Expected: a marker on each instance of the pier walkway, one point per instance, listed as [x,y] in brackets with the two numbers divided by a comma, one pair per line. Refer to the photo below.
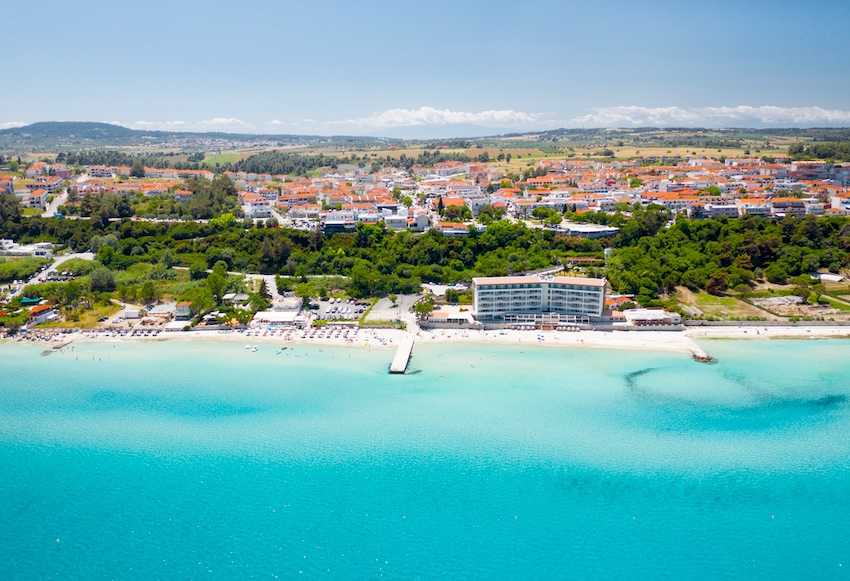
[402,355]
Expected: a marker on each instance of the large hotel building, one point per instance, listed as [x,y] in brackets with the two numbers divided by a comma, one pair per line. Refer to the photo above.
[537,300]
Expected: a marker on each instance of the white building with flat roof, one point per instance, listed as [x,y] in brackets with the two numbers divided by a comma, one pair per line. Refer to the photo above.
[38,249]
[538,299]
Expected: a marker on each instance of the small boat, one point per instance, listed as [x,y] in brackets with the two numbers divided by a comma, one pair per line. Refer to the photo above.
[254,348]
[247,346]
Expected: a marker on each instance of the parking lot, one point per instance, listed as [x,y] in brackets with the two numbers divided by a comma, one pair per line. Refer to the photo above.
[386,310]
[340,309]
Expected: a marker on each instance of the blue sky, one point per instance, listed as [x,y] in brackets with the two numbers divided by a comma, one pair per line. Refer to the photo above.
[393,67]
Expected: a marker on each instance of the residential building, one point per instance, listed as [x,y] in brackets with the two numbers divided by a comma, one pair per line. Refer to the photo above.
[183,311]
[101,171]
[454,229]
[718,210]
[788,206]
[48,183]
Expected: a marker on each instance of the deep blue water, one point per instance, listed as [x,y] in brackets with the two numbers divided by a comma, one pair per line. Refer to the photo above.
[183,461]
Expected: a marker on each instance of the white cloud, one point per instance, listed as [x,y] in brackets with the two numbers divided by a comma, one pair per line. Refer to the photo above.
[223,122]
[154,125]
[276,122]
[10,124]
[772,114]
[635,116]
[431,116]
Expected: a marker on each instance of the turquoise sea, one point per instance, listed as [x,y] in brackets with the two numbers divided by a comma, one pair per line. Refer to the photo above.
[181,460]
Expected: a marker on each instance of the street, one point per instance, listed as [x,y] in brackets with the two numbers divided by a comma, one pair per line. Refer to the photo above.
[41,276]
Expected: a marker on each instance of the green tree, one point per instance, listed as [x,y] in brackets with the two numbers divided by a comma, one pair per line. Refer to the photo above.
[71,292]
[198,270]
[101,280]
[167,258]
[148,291]
[716,284]
[201,298]
[776,273]
[264,290]
[242,316]
[305,290]
[257,302]
[424,307]
[217,284]
[283,284]
[224,221]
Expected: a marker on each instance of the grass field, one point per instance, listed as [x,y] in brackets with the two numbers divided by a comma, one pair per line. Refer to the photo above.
[88,320]
[729,308]
[523,157]
[214,158]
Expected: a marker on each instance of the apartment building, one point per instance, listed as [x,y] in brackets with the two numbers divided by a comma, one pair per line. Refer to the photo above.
[538,299]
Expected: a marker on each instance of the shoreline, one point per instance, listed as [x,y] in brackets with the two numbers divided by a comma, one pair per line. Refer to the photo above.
[678,341]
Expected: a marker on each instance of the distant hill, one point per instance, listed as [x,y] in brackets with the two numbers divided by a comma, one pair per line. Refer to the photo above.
[68,130]
[59,136]
[72,135]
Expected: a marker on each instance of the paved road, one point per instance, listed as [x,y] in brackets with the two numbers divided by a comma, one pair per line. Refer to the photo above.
[39,277]
[53,206]
[270,284]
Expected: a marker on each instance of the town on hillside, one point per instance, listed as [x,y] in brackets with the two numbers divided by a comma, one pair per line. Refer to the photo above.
[584,202]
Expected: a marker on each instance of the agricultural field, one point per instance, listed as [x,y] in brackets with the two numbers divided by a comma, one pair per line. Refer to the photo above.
[214,158]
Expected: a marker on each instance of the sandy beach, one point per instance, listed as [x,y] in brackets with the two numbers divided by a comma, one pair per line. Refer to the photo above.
[670,341]
[777,332]
[363,338]
[684,342]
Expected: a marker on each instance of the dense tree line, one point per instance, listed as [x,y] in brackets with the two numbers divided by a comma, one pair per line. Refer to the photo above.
[836,150]
[277,162]
[725,253]
[115,158]
[209,199]
[651,255]
[378,261]
[282,162]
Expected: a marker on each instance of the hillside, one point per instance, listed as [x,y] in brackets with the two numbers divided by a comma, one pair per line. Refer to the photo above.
[74,135]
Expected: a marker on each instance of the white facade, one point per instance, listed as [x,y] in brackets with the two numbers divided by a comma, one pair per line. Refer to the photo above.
[496,297]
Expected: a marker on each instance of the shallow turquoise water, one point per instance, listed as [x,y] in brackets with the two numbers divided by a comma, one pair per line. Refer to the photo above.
[182,461]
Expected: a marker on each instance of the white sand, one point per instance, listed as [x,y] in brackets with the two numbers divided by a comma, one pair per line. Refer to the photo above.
[364,338]
[671,341]
[667,341]
[756,332]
